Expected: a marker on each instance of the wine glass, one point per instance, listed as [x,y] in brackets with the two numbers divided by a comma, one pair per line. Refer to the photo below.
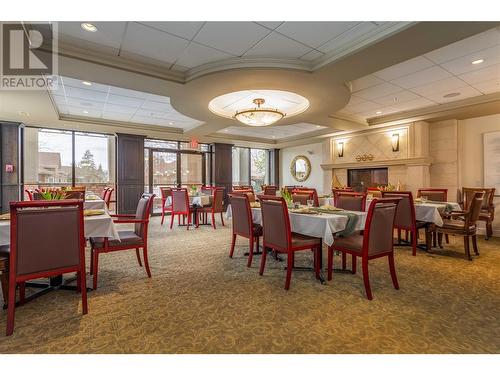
[423,199]
[310,203]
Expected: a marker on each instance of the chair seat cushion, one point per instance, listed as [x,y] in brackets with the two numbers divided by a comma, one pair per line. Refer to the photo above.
[353,243]
[485,216]
[301,240]
[127,238]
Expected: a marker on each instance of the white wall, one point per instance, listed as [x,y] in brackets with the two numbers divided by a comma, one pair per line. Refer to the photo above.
[316,158]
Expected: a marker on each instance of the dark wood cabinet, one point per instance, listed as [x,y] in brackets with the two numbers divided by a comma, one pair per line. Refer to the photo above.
[223,167]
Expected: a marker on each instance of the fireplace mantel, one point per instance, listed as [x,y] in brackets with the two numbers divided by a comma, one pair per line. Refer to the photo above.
[424,161]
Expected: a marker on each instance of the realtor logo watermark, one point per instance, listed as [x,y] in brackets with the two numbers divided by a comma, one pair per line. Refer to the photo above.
[28,56]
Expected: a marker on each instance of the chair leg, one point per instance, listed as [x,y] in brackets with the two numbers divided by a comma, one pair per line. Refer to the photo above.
[489,230]
[138,256]
[184,220]
[393,271]
[447,238]
[413,242]
[440,240]
[474,244]
[222,219]
[258,244]
[95,268]
[78,282]
[399,236]
[289,269]
[330,263]
[354,264]
[366,278]
[83,286]
[91,261]
[162,216]
[22,292]
[434,239]
[172,220]
[213,220]
[146,261]
[4,280]
[317,262]
[263,261]
[11,308]
[233,241]
[250,253]
[467,249]
[343,261]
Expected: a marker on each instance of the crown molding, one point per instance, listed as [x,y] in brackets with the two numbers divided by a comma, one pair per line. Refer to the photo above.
[423,161]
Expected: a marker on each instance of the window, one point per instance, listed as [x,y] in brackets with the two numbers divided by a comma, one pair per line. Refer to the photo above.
[241,166]
[55,158]
[250,167]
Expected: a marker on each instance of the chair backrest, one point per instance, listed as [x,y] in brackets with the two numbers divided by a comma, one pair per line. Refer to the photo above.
[241,214]
[311,191]
[350,201]
[302,198]
[375,192]
[46,236]
[165,192]
[143,212]
[275,222]
[30,194]
[344,190]
[180,200]
[380,221]
[104,193]
[218,199]
[469,193]
[474,209]
[74,194]
[207,189]
[405,214]
[242,187]
[107,197]
[437,195]
[270,190]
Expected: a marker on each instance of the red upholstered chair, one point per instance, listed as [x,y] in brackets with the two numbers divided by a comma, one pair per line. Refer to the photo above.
[166,192]
[270,190]
[181,206]
[205,189]
[30,194]
[4,271]
[217,206]
[242,187]
[107,196]
[104,193]
[243,224]
[46,240]
[487,213]
[313,194]
[436,195]
[74,194]
[347,189]
[128,239]
[277,235]
[376,192]
[405,218]
[350,201]
[375,242]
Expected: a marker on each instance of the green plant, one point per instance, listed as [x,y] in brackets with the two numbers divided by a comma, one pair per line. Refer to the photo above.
[52,194]
[287,196]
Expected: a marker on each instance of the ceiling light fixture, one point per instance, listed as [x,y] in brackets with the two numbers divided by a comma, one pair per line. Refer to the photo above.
[86,83]
[259,116]
[89,27]
[478,61]
[378,112]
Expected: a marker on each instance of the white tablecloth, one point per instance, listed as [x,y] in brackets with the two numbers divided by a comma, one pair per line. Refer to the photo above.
[320,226]
[94,204]
[429,212]
[94,226]
[197,200]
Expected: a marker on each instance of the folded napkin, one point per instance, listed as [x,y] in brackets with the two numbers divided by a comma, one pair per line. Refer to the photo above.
[92,212]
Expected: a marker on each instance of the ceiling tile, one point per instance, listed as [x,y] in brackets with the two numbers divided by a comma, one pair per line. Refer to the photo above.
[396,98]
[449,83]
[120,109]
[196,55]
[72,92]
[71,82]
[361,107]
[157,106]
[377,91]
[422,77]
[404,68]
[184,29]
[311,56]
[365,82]
[116,116]
[124,100]
[221,35]
[413,104]
[488,87]
[481,75]
[464,64]
[108,34]
[85,104]
[349,39]
[465,92]
[76,111]
[466,46]
[113,90]
[276,45]
[271,24]
[314,34]
[143,40]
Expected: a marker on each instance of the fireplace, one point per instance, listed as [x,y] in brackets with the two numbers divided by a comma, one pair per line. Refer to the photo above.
[361,179]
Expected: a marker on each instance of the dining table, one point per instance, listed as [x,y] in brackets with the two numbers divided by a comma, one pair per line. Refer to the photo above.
[199,200]
[94,202]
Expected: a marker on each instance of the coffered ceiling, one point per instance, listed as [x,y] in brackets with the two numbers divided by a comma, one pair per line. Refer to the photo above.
[461,70]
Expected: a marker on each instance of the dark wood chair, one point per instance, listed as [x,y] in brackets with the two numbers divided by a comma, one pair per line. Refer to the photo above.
[243,187]
[166,192]
[487,213]
[74,194]
[350,201]
[270,190]
[217,206]
[243,224]
[4,271]
[277,235]
[347,189]
[46,240]
[128,239]
[405,219]
[375,242]
[432,194]
[181,207]
[466,226]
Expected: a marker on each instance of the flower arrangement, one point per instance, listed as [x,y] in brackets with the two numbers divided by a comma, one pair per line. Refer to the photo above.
[52,194]
[388,187]
[287,196]
[194,189]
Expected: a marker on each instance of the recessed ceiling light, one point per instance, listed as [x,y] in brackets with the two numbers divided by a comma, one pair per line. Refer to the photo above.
[170,123]
[89,27]
[85,112]
[451,95]
[318,126]
[23,113]
[274,136]
[87,83]
[378,112]
[478,61]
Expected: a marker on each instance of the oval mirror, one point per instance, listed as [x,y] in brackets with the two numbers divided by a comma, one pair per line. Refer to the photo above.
[300,168]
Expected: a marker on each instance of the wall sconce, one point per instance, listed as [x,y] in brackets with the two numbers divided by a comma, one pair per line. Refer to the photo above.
[340,146]
[395,142]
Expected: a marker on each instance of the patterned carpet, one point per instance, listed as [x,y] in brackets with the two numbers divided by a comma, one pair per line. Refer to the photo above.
[201,301]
